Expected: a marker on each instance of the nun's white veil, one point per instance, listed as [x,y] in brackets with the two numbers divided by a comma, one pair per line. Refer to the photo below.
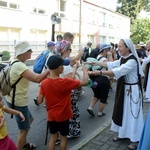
[130,45]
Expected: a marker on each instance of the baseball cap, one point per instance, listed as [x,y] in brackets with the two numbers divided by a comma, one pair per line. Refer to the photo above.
[51,43]
[55,61]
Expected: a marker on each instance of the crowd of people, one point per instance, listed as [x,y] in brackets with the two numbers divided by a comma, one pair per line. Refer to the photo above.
[102,65]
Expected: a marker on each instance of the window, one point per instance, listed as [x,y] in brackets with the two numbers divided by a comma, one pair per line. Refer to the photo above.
[37,35]
[102,39]
[61,8]
[39,6]
[102,19]
[111,21]
[41,11]
[14,34]
[91,16]
[13,4]
[3,3]
[75,14]
[3,34]
[91,38]
[111,39]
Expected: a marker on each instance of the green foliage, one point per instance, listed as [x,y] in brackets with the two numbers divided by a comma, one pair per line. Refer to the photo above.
[6,55]
[140,30]
[131,8]
[147,7]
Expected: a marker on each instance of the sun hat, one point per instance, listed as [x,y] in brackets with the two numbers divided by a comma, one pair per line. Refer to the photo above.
[104,46]
[51,43]
[22,47]
[55,61]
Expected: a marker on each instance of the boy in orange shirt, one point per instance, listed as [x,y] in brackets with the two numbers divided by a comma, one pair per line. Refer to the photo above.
[57,94]
[5,142]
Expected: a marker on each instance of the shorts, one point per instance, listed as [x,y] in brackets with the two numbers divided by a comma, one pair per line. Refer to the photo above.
[102,90]
[61,127]
[6,144]
[25,125]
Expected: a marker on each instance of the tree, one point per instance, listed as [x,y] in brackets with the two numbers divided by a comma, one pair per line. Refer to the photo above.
[131,8]
[147,8]
[140,30]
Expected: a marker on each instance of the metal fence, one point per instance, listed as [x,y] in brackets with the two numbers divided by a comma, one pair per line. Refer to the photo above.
[38,47]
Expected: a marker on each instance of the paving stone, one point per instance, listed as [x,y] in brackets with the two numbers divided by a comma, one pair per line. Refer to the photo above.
[105,147]
[104,140]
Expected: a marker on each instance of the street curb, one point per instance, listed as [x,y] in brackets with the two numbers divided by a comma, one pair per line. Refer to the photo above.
[91,136]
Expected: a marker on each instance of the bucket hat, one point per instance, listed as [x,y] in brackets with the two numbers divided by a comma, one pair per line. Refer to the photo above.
[22,47]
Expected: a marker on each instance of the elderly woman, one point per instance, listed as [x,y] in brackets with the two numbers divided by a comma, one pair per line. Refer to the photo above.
[127,117]
[23,51]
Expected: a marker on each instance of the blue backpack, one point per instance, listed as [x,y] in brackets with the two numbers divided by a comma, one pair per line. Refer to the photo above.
[40,62]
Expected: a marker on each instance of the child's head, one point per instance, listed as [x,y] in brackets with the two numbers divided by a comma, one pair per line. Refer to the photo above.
[1,100]
[51,45]
[56,61]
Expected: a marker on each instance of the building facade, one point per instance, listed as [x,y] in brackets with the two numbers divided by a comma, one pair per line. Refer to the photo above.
[31,20]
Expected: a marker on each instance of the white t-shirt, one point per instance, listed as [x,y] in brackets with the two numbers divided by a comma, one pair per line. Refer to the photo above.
[67,69]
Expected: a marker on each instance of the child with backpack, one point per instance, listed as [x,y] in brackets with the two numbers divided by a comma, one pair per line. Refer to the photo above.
[57,94]
[5,142]
[40,61]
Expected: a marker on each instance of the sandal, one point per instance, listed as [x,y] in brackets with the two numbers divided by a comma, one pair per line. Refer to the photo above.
[132,146]
[115,139]
[29,146]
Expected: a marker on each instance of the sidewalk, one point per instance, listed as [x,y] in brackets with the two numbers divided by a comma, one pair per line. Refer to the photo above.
[102,139]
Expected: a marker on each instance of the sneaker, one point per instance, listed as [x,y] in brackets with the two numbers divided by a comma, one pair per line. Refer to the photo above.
[90,112]
[35,101]
[71,136]
[146,100]
[57,141]
[103,114]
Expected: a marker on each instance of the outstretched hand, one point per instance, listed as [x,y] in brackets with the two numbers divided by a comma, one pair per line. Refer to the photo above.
[95,63]
[84,68]
[81,51]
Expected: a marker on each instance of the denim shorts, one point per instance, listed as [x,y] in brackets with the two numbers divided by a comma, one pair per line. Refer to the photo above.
[25,125]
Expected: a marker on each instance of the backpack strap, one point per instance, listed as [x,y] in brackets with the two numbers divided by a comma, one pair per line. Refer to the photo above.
[14,89]
[99,60]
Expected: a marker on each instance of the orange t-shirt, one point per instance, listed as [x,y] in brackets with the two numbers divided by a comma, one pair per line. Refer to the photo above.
[57,93]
